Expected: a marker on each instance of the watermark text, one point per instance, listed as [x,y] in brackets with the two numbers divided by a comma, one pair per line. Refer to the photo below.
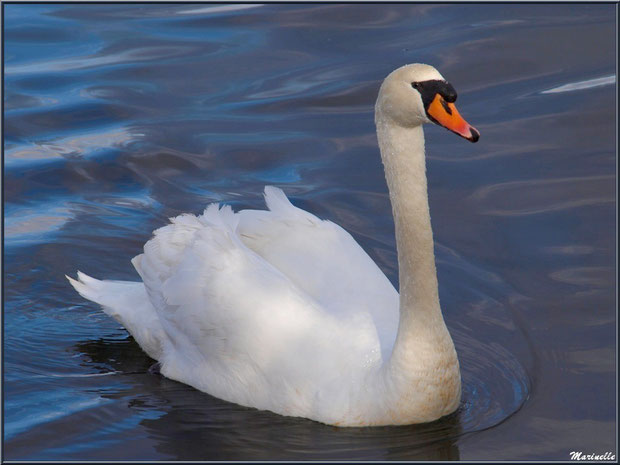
[581,456]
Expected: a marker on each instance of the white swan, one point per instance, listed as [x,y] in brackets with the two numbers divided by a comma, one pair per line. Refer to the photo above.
[282,311]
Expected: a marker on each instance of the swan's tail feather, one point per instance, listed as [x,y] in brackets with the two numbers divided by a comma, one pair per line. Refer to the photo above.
[114,296]
[128,303]
[99,292]
[87,287]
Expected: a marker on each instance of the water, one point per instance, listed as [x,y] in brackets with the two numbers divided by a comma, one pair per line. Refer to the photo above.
[120,116]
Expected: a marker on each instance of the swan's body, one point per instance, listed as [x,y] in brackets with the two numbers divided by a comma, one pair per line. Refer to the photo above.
[282,311]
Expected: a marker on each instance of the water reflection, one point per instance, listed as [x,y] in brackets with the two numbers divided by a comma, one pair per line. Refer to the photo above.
[216,9]
[27,224]
[524,197]
[580,85]
[74,146]
[196,426]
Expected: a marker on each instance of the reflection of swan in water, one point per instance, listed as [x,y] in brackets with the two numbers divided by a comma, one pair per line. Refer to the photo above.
[281,311]
[176,422]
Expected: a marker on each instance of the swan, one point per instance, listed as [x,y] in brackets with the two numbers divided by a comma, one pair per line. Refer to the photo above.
[279,310]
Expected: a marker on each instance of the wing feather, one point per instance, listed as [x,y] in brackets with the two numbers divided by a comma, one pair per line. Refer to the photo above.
[324,260]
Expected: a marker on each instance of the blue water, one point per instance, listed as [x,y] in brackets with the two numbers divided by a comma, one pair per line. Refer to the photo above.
[119,116]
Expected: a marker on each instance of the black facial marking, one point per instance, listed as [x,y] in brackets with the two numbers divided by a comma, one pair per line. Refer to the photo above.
[428,90]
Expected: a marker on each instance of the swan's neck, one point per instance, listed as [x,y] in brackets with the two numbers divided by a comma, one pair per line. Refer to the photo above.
[402,151]
[423,346]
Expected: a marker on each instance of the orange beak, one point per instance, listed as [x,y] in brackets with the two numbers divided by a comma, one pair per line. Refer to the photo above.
[445,114]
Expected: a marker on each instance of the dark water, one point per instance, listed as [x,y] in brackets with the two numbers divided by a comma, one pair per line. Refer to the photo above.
[120,116]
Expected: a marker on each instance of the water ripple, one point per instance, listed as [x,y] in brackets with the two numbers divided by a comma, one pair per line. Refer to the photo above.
[74,146]
[131,56]
[536,196]
[581,85]
[207,10]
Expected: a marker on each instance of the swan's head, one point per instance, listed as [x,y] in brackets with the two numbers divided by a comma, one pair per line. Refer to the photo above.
[416,94]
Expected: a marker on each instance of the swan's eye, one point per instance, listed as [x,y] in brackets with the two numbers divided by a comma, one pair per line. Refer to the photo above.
[415,85]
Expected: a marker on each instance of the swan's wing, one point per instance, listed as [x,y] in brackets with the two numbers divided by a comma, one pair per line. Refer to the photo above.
[324,260]
[238,327]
